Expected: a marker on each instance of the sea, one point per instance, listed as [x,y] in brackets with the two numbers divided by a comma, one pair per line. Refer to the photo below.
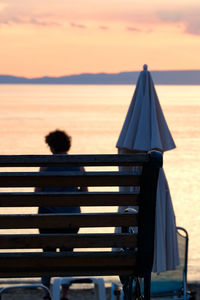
[93,115]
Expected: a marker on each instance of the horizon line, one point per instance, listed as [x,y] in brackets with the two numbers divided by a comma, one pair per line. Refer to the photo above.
[91,73]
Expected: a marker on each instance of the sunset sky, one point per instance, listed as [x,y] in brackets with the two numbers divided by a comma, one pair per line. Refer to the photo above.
[63,37]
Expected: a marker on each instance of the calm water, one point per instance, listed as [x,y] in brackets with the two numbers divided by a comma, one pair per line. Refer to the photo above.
[94,115]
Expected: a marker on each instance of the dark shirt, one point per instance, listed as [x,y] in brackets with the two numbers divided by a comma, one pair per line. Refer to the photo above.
[60,209]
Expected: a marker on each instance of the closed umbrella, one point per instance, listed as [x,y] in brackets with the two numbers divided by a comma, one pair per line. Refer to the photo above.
[144,129]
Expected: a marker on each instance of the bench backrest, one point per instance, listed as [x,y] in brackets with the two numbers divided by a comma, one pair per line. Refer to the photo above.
[26,259]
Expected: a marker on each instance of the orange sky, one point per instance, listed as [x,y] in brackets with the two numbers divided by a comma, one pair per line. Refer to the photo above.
[62,37]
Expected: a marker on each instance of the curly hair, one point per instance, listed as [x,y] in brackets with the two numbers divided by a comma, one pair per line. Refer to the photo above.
[59,141]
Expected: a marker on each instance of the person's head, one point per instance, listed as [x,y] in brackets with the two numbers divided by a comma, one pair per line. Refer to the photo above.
[58,141]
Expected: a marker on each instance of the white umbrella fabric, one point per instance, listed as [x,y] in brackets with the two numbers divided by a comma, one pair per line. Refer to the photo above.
[144,129]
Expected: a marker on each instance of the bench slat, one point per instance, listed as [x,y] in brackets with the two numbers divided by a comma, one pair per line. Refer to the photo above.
[33,241]
[67,259]
[67,220]
[41,179]
[68,199]
[73,160]
[63,272]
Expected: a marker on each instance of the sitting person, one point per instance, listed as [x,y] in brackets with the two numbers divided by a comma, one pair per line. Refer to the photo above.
[59,143]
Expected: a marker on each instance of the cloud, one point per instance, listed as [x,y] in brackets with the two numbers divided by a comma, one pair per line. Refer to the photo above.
[80,11]
[129,28]
[43,13]
[131,15]
[193,27]
[169,16]
[14,13]
[80,26]
[189,17]
[37,21]
[62,12]
[103,27]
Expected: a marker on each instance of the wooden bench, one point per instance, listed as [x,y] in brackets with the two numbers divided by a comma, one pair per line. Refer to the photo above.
[136,255]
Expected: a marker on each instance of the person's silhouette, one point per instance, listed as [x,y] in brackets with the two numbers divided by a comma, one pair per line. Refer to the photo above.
[59,142]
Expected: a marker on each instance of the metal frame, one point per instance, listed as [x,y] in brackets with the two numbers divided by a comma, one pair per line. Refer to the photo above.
[120,292]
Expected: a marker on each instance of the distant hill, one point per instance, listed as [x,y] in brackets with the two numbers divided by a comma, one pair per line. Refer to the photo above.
[159,77]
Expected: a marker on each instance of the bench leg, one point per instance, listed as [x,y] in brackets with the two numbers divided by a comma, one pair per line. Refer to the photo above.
[147,285]
[127,288]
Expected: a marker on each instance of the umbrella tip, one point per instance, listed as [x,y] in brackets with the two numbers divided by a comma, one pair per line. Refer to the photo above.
[145,67]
